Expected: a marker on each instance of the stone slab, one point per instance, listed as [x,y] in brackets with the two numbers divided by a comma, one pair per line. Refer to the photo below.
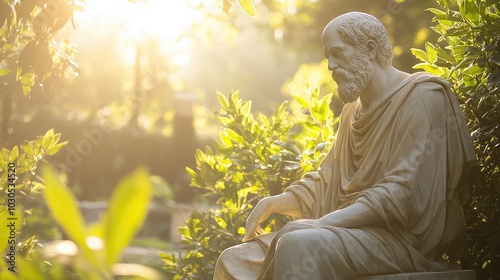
[445,275]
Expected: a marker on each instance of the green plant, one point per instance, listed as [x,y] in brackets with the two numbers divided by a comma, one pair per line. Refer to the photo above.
[27,159]
[28,53]
[467,54]
[94,249]
[256,156]
[20,183]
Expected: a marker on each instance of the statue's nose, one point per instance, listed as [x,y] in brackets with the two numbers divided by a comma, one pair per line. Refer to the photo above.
[332,64]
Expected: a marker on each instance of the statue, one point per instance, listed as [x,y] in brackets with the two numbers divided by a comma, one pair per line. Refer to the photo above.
[388,197]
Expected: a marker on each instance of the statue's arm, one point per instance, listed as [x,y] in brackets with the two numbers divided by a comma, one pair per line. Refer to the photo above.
[284,203]
[353,216]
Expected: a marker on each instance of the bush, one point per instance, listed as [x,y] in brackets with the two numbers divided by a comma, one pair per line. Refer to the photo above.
[21,185]
[94,249]
[468,55]
[256,156]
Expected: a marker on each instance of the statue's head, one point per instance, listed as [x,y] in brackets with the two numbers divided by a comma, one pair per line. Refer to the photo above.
[353,42]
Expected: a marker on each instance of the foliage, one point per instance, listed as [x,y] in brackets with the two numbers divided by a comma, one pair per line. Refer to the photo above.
[314,74]
[19,167]
[27,159]
[94,248]
[299,23]
[256,156]
[28,55]
[467,54]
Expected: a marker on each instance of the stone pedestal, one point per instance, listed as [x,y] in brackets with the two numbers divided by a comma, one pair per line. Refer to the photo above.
[445,275]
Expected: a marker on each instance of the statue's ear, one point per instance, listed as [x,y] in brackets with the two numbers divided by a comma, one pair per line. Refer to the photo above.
[371,49]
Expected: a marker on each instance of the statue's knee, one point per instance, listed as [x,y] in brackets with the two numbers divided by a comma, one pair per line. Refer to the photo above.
[299,240]
[227,254]
[221,271]
[311,242]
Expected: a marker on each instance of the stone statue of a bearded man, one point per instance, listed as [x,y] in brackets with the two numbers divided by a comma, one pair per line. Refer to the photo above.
[388,197]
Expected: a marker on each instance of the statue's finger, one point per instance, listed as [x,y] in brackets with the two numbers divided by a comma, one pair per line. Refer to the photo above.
[248,236]
[250,231]
[260,230]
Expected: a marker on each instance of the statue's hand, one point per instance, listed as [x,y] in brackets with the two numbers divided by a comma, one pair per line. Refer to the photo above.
[260,213]
[285,204]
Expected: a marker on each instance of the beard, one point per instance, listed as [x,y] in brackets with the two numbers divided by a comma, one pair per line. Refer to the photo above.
[353,81]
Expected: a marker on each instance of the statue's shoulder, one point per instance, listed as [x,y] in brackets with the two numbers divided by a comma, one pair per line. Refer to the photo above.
[424,94]
[425,82]
[425,86]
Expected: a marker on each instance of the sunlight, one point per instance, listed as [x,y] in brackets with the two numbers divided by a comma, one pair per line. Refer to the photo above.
[162,20]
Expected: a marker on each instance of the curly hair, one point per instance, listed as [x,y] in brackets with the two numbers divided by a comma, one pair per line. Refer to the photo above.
[358,28]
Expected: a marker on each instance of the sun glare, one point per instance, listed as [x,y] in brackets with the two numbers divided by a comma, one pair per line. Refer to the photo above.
[164,20]
[159,18]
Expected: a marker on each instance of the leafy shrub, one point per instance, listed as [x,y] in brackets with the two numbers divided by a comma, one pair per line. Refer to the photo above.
[467,54]
[256,156]
[24,162]
[94,249]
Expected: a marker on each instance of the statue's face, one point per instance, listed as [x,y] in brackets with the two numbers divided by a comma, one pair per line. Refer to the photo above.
[351,67]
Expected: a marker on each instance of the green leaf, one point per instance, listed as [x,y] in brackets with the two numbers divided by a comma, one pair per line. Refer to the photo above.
[191,172]
[127,210]
[235,100]
[420,54]
[56,148]
[473,70]
[225,140]
[241,230]
[27,82]
[246,108]
[428,68]
[470,11]
[435,11]
[14,154]
[233,135]
[302,101]
[28,270]
[444,3]
[247,6]
[431,52]
[264,120]
[461,7]
[168,259]
[445,56]
[49,133]
[4,71]
[6,274]
[221,222]
[47,142]
[63,207]
[184,232]
[224,103]
[28,149]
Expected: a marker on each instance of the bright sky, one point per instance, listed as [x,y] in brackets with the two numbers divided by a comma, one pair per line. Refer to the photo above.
[162,19]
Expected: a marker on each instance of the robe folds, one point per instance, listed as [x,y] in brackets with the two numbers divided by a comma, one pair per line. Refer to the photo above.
[406,159]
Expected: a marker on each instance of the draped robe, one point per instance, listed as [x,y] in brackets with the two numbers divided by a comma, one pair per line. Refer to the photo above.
[405,159]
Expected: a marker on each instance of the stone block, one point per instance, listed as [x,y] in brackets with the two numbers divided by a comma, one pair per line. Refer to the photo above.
[444,275]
